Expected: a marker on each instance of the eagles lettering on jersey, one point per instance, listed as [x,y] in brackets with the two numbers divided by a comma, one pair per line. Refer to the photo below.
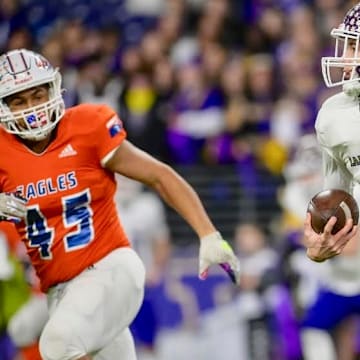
[49,186]
[71,220]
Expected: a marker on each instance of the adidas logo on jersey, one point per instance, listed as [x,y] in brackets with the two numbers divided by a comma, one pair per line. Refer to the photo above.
[67,151]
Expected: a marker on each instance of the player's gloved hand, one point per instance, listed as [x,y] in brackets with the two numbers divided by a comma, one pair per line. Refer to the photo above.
[215,250]
[12,207]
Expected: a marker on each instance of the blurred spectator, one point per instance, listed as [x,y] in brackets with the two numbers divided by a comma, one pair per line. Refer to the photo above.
[9,10]
[131,61]
[20,38]
[163,79]
[271,24]
[96,84]
[303,179]
[73,39]
[169,27]
[213,59]
[328,15]
[152,49]
[260,91]
[141,109]
[196,114]
[257,258]
[218,22]
[111,46]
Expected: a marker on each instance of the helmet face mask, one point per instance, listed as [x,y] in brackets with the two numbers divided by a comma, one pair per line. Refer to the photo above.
[21,70]
[34,123]
[347,36]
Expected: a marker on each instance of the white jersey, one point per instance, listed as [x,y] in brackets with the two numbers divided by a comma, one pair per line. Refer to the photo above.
[338,132]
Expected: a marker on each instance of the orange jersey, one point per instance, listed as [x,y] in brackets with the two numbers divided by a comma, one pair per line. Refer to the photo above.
[72,221]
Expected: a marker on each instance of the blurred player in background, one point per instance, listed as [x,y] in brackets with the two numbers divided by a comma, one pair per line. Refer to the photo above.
[143,217]
[14,294]
[26,324]
[57,183]
[257,258]
[304,178]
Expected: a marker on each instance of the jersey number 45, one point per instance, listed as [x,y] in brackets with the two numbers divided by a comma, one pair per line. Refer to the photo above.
[77,214]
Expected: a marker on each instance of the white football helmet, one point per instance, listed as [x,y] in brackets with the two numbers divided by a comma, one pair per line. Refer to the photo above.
[348,33]
[21,70]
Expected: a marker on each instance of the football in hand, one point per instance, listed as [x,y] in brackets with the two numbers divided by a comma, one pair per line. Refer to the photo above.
[332,202]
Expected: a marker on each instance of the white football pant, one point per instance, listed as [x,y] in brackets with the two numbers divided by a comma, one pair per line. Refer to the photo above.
[90,314]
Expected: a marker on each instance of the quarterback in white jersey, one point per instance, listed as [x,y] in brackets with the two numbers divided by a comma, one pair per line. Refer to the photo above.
[337,129]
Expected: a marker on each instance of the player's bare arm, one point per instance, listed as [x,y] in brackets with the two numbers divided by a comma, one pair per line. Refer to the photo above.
[132,162]
[321,247]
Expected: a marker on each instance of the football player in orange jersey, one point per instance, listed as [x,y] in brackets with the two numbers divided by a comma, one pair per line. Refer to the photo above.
[57,183]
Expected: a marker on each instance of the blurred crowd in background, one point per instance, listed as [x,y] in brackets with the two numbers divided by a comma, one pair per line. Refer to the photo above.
[200,84]
[195,81]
